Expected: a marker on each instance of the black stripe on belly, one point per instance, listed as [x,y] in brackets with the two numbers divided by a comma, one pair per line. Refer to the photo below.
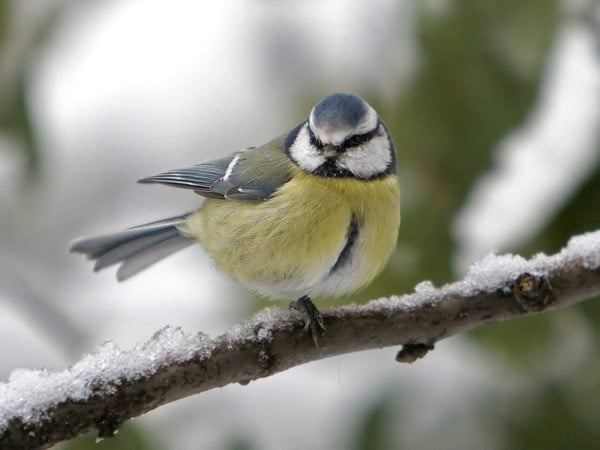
[351,237]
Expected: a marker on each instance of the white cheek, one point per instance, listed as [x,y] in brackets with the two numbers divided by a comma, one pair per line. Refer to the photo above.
[369,159]
[304,153]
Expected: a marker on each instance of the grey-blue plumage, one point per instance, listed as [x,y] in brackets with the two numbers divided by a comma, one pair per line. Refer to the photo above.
[339,110]
[136,248]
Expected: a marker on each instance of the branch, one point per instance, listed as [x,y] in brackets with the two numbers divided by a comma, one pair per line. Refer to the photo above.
[41,408]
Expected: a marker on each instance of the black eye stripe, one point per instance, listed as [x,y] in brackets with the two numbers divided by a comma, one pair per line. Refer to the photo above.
[359,139]
[352,141]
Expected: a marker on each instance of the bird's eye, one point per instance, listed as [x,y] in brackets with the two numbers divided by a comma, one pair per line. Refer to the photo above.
[359,139]
[354,141]
[314,140]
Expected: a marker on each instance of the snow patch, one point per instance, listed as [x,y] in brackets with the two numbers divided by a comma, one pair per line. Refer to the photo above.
[498,271]
[257,328]
[586,246]
[30,392]
[495,272]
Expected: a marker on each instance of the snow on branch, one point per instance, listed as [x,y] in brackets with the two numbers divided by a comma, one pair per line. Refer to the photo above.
[39,408]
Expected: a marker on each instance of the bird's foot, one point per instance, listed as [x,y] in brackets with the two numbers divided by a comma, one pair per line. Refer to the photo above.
[313,322]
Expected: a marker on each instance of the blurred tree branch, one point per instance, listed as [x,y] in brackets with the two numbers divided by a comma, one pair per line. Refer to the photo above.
[274,341]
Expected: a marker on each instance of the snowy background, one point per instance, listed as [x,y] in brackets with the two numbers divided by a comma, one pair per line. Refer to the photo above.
[496,115]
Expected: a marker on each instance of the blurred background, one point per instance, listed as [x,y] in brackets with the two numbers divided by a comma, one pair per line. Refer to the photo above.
[495,110]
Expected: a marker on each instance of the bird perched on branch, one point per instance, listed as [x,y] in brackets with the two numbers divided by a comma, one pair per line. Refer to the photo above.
[314,212]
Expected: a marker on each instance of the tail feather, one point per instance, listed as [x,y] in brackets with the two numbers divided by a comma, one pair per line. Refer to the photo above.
[143,259]
[136,244]
[135,248]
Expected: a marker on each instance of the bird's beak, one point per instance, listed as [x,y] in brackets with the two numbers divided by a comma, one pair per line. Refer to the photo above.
[330,152]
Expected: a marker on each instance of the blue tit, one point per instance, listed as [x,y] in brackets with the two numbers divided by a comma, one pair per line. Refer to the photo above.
[312,213]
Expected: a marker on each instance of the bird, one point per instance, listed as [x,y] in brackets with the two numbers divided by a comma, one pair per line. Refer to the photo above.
[313,213]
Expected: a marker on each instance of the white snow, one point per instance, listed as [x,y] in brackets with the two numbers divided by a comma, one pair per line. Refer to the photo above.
[585,245]
[425,288]
[495,272]
[258,327]
[30,392]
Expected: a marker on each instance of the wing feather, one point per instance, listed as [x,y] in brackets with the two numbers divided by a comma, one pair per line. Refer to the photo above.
[252,174]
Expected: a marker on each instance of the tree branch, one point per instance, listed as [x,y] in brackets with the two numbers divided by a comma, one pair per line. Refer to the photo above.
[41,408]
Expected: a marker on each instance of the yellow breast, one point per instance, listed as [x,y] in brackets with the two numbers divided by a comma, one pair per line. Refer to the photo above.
[286,246]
